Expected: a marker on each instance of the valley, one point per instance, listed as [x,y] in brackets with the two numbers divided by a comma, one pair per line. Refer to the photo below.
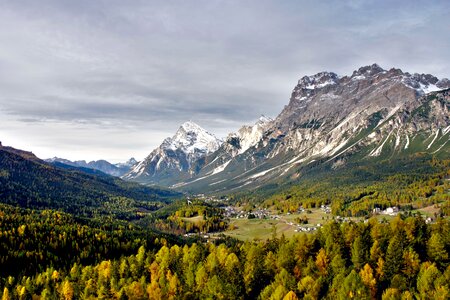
[346,191]
[224,150]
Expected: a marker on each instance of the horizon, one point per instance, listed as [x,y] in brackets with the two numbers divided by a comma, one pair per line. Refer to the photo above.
[90,81]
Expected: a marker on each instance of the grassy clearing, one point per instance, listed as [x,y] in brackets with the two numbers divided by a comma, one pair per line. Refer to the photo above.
[429,211]
[195,219]
[260,229]
[263,229]
[317,216]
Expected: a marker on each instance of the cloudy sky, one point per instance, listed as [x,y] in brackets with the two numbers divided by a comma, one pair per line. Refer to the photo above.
[111,79]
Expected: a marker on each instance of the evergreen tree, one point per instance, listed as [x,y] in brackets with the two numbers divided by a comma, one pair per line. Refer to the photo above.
[394,256]
[353,288]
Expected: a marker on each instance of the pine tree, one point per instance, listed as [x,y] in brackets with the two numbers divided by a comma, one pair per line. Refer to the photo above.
[353,288]
[436,250]
[394,257]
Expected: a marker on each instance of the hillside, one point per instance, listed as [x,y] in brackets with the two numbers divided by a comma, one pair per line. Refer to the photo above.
[30,182]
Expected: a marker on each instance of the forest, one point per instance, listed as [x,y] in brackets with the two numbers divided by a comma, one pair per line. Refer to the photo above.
[356,190]
[27,181]
[402,259]
[66,234]
[181,218]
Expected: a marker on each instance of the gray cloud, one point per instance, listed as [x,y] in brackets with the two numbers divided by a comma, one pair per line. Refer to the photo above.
[110,79]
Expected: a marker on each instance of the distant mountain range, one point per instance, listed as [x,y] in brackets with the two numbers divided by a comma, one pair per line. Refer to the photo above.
[104,166]
[370,116]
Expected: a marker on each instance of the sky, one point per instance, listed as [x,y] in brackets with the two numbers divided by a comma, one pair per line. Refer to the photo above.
[111,79]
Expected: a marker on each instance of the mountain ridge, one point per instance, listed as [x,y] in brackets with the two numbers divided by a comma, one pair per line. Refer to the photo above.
[102,165]
[372,113]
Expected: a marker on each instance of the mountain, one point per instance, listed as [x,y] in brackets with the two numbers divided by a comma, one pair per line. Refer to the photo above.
[27,181]
[247,136]
[373,115]
[177,157]
[104,166]
[237,143]
[128,164]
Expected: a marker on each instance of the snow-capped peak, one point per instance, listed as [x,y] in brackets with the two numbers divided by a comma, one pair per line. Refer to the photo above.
[177,153]
[190,138]
[191,126]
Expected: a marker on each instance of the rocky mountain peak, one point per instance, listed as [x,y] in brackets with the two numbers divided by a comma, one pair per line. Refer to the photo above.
[425,83]
[368,70]
[190,126]
[425,78]
[318,80]
[132,161]
[368,90]
[444,83]
[247,136]
[129,163]
[263,120]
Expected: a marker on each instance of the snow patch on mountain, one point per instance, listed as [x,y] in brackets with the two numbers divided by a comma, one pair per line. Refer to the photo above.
[217,182]
[435,137]
[446,130]
[263,173]
[220,168]
[407,142]
[377,151]
[439,149]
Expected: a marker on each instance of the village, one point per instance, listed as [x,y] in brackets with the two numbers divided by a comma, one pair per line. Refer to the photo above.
[260,223]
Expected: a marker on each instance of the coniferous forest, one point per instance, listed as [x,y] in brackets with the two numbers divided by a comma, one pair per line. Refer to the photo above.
[401,259]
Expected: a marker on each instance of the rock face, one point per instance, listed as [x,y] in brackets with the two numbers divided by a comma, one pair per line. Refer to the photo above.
[177,157]
[372,114]
[322,118]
